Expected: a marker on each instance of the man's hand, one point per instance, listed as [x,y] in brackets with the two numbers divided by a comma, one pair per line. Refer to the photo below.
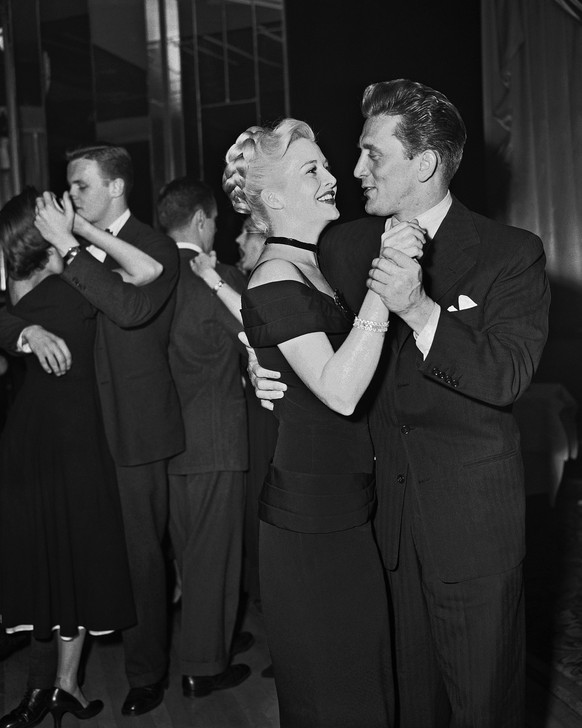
[51,351]
[263,380]
[408,237]
[54,221]
[397,279]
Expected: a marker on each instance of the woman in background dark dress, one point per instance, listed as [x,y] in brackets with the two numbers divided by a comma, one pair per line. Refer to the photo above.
[322,584]
[63,563]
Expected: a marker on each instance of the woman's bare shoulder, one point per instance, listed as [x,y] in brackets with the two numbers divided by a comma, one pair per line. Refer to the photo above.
[273,270]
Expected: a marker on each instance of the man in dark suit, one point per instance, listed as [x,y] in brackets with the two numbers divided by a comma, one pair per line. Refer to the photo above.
[207,480]
[469,329]
[139,400]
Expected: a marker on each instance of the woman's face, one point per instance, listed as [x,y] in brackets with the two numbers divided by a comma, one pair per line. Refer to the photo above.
[55,262]
[250,243]
[305,186]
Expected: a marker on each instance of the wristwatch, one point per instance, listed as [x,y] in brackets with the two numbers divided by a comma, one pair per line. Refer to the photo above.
[71,253]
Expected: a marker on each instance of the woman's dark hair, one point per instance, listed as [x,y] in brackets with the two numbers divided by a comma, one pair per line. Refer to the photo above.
[24,248]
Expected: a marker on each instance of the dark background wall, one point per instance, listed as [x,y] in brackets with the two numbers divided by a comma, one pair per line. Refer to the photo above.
[337,47]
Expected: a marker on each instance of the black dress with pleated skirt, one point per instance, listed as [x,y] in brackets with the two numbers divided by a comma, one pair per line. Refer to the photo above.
[62,546]
[322,584]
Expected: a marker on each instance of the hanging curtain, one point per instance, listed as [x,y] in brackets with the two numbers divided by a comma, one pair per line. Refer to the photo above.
[532,85]
[573,7]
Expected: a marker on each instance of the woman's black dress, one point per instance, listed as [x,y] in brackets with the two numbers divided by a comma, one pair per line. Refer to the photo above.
[62,547]
[322,584]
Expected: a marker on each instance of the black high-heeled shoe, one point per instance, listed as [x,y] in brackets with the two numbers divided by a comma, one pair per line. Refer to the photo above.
[63,702]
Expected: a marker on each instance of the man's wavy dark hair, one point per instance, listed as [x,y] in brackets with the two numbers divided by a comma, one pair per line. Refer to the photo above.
[179,200]
[429,120]
[114,162]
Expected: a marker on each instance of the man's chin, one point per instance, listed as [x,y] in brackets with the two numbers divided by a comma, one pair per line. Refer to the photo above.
[370,207]
[374,208]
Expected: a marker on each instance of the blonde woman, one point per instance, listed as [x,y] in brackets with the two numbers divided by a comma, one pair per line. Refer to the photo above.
[322,584]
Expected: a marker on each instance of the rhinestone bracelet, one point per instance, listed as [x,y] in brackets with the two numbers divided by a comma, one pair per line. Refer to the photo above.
[214,290]
[378,327]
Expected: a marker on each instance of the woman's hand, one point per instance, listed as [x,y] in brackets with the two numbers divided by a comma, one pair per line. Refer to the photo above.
[54,220]
[202,263]
[407,237]
[81,226]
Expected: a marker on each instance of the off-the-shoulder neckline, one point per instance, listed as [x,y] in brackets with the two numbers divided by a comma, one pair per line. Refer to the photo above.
[299,283]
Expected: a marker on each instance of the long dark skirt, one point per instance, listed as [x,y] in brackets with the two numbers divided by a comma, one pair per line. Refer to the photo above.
[326,615]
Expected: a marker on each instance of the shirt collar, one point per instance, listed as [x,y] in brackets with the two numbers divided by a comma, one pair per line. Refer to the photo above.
[116,225]
[189,246]
[432,219]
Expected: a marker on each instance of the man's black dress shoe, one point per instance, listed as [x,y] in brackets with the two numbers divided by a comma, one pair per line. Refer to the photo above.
[142,700]
[242,642]
[32,709]
[198,686]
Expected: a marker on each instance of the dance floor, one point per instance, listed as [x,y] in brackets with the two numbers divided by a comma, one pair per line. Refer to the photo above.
[554,623]
[553,571]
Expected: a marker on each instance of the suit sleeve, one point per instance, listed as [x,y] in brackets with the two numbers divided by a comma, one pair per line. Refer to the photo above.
[125,304]
[495,362]
[345,256]
[232,326]
[10,329]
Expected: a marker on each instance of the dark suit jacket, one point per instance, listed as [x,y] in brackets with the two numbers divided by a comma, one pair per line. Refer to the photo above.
[139,400]
[443,426]
[205,359]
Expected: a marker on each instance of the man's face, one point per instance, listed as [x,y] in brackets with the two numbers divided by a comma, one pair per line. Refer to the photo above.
[389,178]
[90,193]
[250,244]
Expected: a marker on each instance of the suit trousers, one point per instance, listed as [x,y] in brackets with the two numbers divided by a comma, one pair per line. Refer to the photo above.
[460,647]
[206,528]
[42,663]
[144,503]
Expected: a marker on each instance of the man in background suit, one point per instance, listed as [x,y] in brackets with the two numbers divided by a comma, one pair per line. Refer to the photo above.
[207,480]
[469,327]
[139,400]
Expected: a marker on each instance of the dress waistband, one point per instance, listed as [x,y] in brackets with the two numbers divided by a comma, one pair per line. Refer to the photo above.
[316,502]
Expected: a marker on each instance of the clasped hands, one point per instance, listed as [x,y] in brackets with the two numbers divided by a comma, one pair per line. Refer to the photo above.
[58,222]
[396,275]
[55,220]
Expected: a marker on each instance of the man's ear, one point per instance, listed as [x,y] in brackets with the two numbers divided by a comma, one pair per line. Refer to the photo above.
[117,187]
[271,199]
[428,163]
[199,219]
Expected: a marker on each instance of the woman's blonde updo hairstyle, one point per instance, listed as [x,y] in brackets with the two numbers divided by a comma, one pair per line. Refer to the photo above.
[250,162]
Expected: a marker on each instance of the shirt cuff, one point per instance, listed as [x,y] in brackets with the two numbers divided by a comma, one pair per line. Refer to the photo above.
[425,338]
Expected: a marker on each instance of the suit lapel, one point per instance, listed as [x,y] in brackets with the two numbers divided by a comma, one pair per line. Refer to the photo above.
[126,233]
[447,257]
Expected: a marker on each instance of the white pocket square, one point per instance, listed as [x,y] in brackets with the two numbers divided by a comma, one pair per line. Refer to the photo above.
[464,303]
